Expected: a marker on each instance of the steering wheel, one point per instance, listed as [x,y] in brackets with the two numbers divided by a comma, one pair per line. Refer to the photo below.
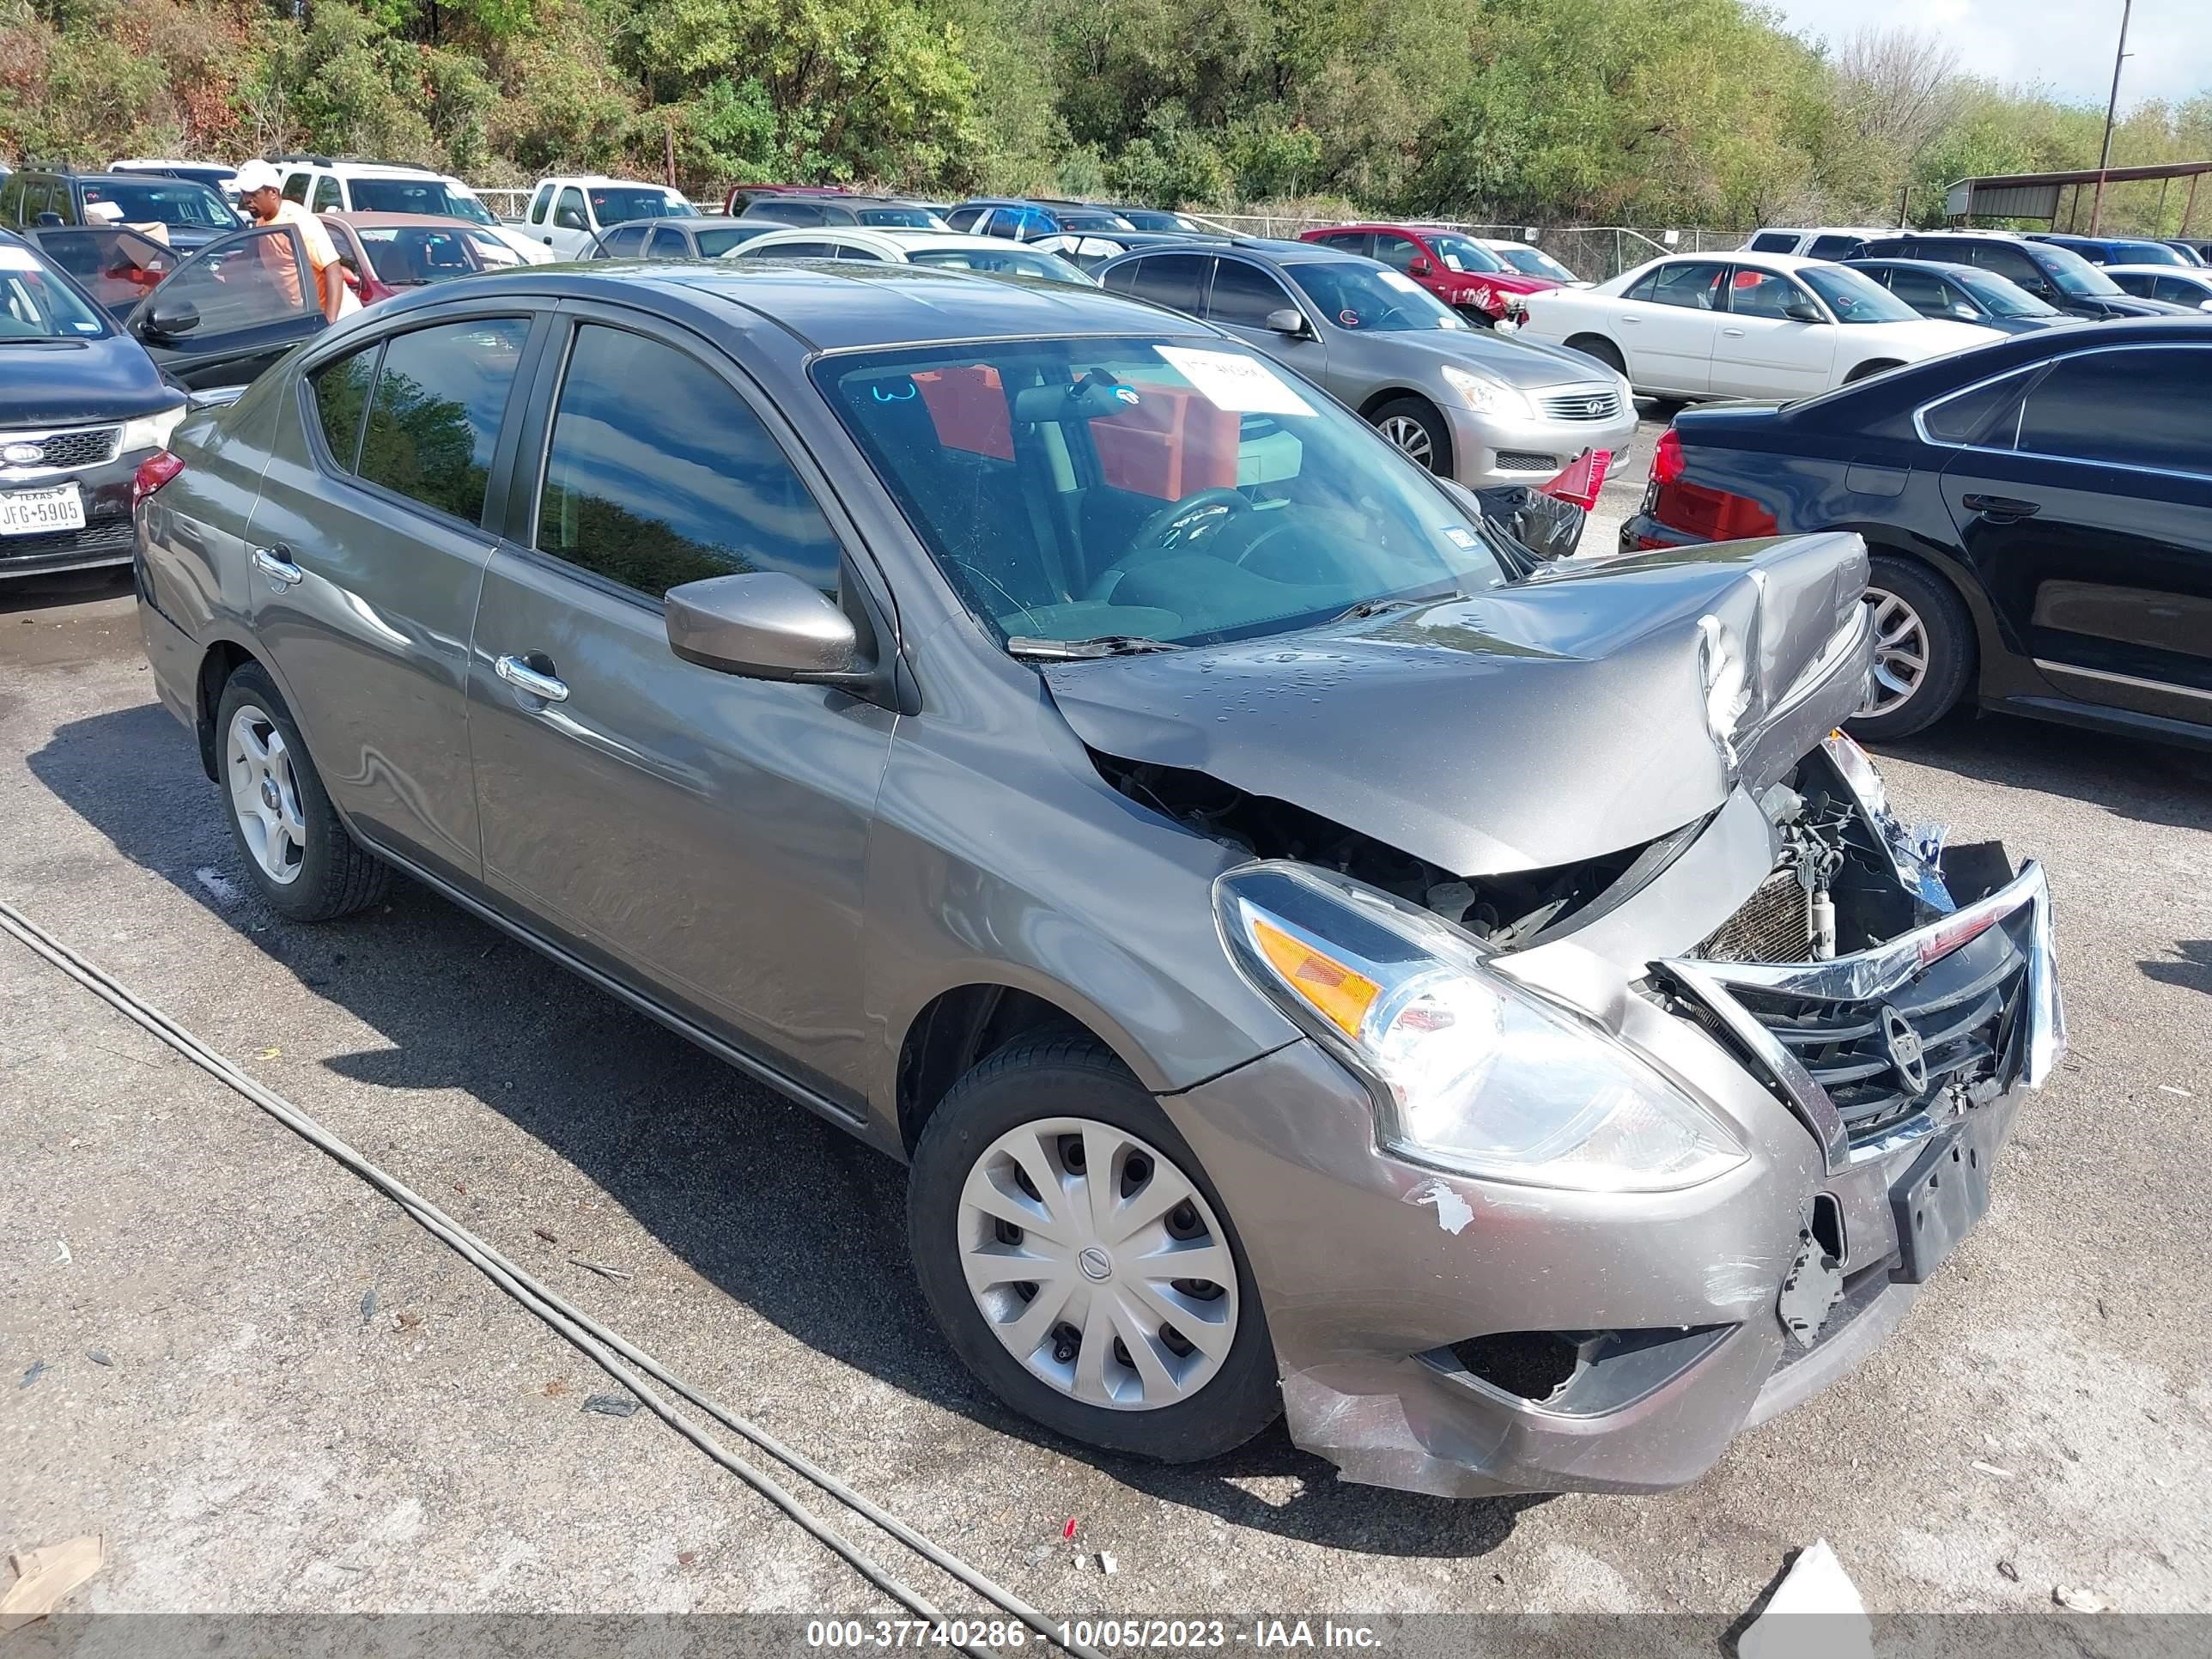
[1164,529]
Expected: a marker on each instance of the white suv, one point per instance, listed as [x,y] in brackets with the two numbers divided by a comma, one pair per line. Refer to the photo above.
[323,184]
[566,215]
[1815,242]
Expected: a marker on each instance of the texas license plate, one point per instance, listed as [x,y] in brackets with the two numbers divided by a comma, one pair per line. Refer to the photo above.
[35,512]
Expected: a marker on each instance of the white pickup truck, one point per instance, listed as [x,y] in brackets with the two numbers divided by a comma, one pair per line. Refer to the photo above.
[567,214]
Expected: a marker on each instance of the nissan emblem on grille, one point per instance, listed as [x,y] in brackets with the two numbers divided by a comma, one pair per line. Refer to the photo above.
[1906,1055]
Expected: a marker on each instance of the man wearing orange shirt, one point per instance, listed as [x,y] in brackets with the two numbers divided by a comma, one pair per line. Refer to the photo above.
[259,195]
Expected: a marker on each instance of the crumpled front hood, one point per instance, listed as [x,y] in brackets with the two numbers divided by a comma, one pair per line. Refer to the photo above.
[1560,719]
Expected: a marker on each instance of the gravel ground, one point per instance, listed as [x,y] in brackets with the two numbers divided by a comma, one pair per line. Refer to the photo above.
[271,1391]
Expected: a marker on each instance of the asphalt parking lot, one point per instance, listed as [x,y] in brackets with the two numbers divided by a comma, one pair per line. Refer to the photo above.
[269,1391]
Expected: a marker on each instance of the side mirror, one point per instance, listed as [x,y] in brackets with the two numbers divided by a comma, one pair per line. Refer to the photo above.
[569,219]
[1420,266]
[170,318]
[764,625]
[49,220]
[1965,312]
[1799,309]
[1291,321]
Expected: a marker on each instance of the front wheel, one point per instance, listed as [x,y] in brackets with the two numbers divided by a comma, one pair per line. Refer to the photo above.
[1417,431]
[1080,1263]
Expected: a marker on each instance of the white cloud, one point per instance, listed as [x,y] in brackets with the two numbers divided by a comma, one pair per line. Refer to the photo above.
[2065,45]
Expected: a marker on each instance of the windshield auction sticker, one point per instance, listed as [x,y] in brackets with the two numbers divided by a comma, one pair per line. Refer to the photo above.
[1243,386]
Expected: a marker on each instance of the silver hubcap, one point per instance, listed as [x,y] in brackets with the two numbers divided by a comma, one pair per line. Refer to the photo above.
[1099,1264]
[1900,653]
[1411,436]
[265,795]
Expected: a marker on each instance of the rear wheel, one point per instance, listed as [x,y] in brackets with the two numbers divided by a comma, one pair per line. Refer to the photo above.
[1418,431]
[1080,1263]
[1923,651]
[298,854]
[1597,346]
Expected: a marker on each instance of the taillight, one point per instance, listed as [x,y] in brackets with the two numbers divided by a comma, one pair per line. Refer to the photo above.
[1666,459]
[152,473]
[1715,515]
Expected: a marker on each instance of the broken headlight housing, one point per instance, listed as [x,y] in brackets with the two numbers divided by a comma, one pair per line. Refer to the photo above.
[1470,1071]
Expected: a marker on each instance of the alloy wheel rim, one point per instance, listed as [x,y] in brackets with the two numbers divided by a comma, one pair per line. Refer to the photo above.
[1097,1264]
[1900,653]
[265,794]
[1411,437]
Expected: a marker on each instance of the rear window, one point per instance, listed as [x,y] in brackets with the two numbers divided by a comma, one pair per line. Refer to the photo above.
[424,194]
[1775,241]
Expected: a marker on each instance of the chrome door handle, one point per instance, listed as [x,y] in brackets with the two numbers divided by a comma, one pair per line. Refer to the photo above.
[1732,333]
[523,678]
[276,563]
[1631,321]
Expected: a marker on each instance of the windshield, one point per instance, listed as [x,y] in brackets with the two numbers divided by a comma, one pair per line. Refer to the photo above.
[406,255]
[1358,293]
[2074,274]
[903,218]
[35,304]
[1001,261]
[612,203]
[1856,297]
[1534,262]
[1462,252]
[176,202]
[2000,297]
[424,195]
[1182,490]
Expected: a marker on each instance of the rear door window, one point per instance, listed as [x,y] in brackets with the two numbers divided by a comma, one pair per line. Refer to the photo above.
[668,243]
[1693,283]
[2144,407]
[1923,290]
[440,395]
[340,391]
[658,473]
[326,193]
[1175,280]
[1832,247]
[626,242]
[1982,417]
[1395,250]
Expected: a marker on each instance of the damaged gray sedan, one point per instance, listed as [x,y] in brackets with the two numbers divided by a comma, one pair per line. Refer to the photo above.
[1314,962]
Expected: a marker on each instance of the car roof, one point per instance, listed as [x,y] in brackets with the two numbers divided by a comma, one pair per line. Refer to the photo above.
[2198,272]
[1943,267]
[366,219]
[833,306]
[1269,247]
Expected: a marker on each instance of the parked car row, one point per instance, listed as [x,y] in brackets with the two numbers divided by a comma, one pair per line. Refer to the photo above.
[1317,962]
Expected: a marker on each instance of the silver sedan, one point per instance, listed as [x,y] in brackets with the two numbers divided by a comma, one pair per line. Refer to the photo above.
[1469,403]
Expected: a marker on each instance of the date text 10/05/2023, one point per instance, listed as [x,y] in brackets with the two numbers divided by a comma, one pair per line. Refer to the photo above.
[1132,1634]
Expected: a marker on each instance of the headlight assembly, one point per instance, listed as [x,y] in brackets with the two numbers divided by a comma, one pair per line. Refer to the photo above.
[150,431]
[1484,395]
[1470,1071]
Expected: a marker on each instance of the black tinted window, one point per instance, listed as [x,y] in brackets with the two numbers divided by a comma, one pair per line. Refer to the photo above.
[1832,247]
[341,393]
[440,394]
[326,193]
[668,243]
[2010,262]
[2141,408]
[1243,295]
[628,240]
[1176,280]
[657,474]
[1775,241]
[1923,290]
[295,187]
[1982,417]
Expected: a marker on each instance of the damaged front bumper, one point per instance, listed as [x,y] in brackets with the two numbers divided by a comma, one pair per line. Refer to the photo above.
[1465,1337]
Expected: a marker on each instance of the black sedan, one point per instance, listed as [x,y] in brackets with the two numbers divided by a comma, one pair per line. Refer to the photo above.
[82,407]
[2038,511]
[1961,294]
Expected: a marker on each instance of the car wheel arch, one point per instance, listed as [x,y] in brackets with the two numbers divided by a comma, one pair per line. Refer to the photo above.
[1968,591]
[1600,347]
[959,1027]
[221,660]
[1382,398]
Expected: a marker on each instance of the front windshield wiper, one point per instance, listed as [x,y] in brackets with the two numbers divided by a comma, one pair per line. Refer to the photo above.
[1105,645]
[1378,607]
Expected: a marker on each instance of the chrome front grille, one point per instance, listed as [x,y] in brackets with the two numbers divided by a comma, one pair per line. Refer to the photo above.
[1880,1045]
[1600,405]
[50,452]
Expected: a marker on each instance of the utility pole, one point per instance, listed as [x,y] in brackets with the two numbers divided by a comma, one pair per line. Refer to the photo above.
[2111,109]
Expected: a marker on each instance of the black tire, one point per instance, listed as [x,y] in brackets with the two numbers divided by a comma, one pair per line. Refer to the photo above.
[1050,1074]
[1597,346]
[1864,371]
[1433,432]
[1948,633]
[336,875]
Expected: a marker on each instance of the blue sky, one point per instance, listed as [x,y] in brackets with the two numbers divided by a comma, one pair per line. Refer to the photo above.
[2066,44]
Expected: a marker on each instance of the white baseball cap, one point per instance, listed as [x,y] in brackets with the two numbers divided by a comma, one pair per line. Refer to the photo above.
[256,175]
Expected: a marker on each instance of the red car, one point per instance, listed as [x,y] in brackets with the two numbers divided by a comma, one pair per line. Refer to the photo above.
[1450,264]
